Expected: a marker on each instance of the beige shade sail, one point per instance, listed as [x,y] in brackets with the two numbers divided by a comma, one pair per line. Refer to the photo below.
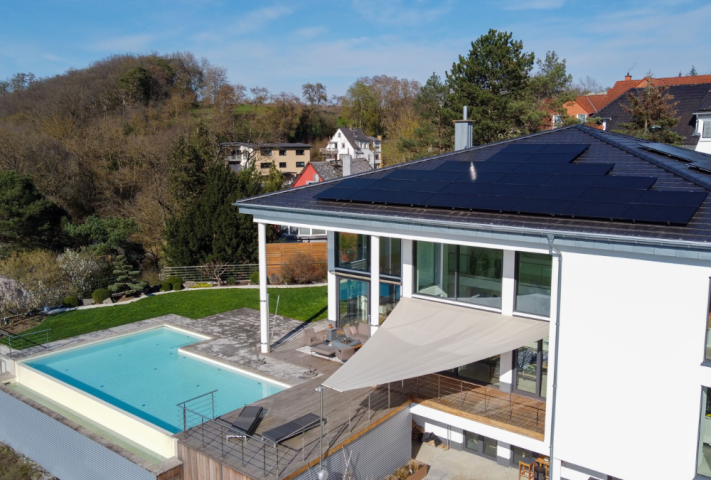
[422,337]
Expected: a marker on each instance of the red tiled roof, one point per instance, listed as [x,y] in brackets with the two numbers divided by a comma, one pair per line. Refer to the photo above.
[696,79]
[619,88]
[591,103]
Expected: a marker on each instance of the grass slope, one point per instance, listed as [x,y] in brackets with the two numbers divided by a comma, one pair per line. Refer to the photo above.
[305,304]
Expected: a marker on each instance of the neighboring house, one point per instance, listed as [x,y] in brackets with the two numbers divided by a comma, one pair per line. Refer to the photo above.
[289,158]
[703,125]
[692,99]
[560,280]
[316,172]
[354,142]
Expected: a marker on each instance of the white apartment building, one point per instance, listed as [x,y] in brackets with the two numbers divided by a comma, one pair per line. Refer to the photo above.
[561,277]
[354,142]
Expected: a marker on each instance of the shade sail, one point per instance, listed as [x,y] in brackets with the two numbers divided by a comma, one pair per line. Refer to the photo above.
[422,337]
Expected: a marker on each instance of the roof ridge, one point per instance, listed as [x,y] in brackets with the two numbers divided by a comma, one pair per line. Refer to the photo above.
[411,162]
[674,169]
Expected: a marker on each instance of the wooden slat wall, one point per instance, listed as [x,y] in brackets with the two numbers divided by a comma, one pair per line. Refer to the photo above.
[280,253]
[172,474]
[197,466]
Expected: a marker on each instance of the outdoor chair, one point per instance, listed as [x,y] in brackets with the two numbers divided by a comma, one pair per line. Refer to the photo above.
[246,422]
[292,428]
[312,337]
[360,331]
[345,354]
[525,468]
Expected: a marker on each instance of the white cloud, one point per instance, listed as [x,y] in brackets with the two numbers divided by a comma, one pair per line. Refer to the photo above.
[256,19]
[311,32]
[402,13]
[532,4]
[129,43]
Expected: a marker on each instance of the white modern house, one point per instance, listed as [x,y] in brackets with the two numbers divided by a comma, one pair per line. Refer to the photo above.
[354,142]
[703,128]
[563,277]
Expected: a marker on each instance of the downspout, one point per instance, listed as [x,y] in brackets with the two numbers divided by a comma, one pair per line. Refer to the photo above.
[557,252]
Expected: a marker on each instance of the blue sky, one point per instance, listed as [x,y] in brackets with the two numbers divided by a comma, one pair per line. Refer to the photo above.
[281,45]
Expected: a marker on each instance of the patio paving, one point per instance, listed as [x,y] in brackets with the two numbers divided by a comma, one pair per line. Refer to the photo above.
[458,465]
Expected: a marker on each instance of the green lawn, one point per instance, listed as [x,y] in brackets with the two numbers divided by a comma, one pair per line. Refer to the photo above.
[305,304]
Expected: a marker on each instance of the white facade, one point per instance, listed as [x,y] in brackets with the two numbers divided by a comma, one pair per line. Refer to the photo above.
[703,130]
[632,343]
[358,146]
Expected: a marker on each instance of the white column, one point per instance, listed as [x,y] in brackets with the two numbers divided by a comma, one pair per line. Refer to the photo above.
[556,465]
[506,372]
[374,283]
[408,269]
[263,299]
[332,280]
[508,283]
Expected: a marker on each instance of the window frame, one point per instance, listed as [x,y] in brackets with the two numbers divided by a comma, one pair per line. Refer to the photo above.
[265,152]
[300,164]
[539,373]
[337,249]
[519,313]
[282,164]
[704,125]
[706,360]
[264,165]
[368,295]
[581,117]
[282,153]
[300,152]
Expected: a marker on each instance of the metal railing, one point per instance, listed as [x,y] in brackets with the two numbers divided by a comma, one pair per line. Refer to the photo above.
[255,454]
[198,273]
[25,340]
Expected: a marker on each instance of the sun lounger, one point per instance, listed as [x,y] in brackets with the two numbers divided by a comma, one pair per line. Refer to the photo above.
[247,421]
[291,429]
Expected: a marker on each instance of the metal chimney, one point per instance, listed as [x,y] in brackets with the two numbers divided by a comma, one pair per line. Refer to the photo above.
[346,159]
[463,130]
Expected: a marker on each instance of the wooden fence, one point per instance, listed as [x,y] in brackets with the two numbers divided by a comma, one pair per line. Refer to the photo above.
[281,253]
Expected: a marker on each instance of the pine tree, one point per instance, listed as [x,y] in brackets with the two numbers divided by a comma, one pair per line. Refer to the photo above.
[653,115]
[126,277]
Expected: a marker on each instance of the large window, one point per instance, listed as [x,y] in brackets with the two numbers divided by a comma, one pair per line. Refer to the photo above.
[390,257]
[532,369]
[703,466]
[352,251]
[485,371]
[389,296]
[533,283]
[706,130]
[352,301]
[465,274]
[708,330]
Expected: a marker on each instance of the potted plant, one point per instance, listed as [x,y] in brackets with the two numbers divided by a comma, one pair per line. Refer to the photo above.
[413,470]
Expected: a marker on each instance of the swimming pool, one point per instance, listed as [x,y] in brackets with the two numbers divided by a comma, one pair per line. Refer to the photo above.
[146,375]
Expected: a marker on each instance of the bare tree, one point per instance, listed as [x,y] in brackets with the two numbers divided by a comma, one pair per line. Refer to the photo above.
[314,94]
[589,86]
[215,270]
[213,80]
[260,95]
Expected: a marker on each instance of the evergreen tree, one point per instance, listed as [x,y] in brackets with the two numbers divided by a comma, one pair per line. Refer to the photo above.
[493,81]
[435,131]
[692,72]
[653,115]
[126,277]
[212,229]
[27,219]
[191,158]
[102,235]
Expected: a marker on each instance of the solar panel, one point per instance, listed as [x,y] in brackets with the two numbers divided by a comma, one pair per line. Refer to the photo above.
[485,177]
[506,167]
[423,186]
[409,198]
[574,148]
[457,166]
[621,181]
[388,184]
[444,175]
[657,197]
[537,167]
[611,195]
[503,157]
[585,169]
[543,206]
[523,148]
[552,157]
[525,178]
[356,182]
[406,174]
[470,188]
[335,193]
[601,210]
[448,200]
[666,214]
[496,204]
[521,191]
[562,193]
[372,196]
[676,152]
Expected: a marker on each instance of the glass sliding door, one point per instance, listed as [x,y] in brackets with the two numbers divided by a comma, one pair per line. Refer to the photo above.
[436,267]
[533,283]
[703,465]
[352,301]
[389,297]
[708,324]
[479,276]
[390,257]
[531,374]
[486,371]
[352,252]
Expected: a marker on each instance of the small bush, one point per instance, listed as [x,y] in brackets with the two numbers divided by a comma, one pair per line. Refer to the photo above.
[71,301]
[166,286]
[231,281]
[303,269]
[202,285]
[254,278]
[175,281]
[100,295]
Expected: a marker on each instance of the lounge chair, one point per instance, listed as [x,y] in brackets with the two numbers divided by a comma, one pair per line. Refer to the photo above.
[292,428]
[246,422]
[312,337]
[361,333]
[345,353]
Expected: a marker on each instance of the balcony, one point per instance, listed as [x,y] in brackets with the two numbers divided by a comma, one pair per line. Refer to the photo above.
[487,405]
[328,150]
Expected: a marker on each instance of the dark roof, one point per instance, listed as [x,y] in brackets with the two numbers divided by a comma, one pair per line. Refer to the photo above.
[705,104]
[266,145]
[690,98]
[605,147]
[332,170]
[354,135]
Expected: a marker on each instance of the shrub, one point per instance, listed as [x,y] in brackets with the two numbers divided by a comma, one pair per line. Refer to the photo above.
[303,269]
[166,286]
[202,285]
[231,281]
[175,281]
[71,301]
[254,278]
[39,279]
[100,295]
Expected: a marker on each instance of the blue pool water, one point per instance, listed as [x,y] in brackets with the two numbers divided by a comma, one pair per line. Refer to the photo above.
[144,374]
